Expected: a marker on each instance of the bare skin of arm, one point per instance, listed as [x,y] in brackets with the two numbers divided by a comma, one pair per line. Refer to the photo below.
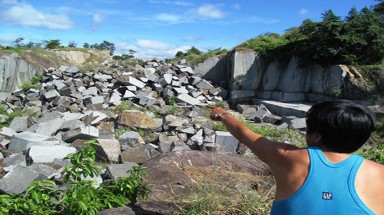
[290,165]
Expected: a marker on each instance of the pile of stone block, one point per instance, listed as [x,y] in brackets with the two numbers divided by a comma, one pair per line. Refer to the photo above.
[168,114]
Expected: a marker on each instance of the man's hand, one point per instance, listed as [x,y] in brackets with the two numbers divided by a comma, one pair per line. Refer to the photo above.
[216,112]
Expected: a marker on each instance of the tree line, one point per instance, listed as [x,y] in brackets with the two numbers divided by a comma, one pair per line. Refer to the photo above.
[55,44]
[358,39]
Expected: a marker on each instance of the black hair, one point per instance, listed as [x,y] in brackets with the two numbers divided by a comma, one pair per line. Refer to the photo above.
[344,126]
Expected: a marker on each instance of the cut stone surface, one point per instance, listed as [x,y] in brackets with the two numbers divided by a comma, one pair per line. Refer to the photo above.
[115,171]
[109,150]
[47,154]
[17,180]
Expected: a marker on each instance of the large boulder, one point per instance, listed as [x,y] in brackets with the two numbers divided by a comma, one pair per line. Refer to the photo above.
[172,174]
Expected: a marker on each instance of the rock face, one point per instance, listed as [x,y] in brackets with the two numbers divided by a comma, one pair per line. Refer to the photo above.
[173,178]
[14,71]
[79,57]
[249,76]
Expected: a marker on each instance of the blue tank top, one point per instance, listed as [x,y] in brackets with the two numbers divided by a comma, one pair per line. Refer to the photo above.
[328,189]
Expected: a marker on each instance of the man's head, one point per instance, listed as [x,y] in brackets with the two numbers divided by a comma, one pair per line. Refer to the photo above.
[341,125]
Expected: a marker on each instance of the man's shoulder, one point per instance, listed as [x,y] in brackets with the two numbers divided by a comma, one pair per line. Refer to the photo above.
[373,171]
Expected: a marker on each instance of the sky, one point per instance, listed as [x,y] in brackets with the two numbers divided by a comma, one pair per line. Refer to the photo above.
[159,28]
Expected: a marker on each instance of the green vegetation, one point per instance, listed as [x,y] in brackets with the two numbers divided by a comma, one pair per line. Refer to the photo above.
[126,105]
[219,191]
[172,100]
[356,40]
[195,56]
[81,196]
[17,112]
[269,131]
[56,44]
[220,104]
[374,153]
[35,83]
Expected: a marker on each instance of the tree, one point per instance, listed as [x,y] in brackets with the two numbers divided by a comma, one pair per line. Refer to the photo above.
[30,45]
[52,44]
[72,44]
[363,36]
[379,8]
[194,50]
[17,42]
[86,45]
[180,54]
[105,45]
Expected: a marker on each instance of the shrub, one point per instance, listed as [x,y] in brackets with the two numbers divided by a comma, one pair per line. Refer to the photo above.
[81,196]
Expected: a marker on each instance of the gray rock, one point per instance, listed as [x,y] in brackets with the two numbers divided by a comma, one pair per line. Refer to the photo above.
[130,139]
[84,132]
[23,141]
[147,101]
[47,154]
[51,95]
[109,150]
[102,77]
[139,154]
[135,82]
[13,160]
[7,132]
[17,180]
[21,123]
[48,128]
[187,70]
[226,142]
[198,137]
[188,99]
[204,84]
[45,171]
[116,171]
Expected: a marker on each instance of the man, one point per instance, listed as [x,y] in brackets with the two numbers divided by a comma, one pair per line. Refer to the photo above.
[325,178]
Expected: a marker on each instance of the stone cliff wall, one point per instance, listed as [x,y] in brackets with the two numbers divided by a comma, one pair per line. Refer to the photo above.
[250,77]
[14,71]
[17,69]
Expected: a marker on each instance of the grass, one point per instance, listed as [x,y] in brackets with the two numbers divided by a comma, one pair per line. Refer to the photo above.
[269,131]
[35,83]
[220,191]
[126,105]
[194,59]
[15,113]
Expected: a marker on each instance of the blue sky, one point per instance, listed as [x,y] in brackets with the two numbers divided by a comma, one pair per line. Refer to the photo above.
[159,28]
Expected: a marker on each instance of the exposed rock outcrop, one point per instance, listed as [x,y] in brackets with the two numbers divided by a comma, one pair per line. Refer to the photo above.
[16,69]
[249,76]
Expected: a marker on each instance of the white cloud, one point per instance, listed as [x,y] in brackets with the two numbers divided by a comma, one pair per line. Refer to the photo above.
[26,15]
[98,18]
[303,12]
[149,49]
[210,11]
[153,44]
[167,18]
